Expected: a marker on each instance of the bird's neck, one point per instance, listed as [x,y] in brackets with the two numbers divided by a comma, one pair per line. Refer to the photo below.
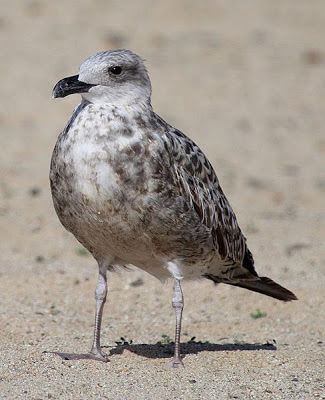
[118,98]
[122,110]
[135,105]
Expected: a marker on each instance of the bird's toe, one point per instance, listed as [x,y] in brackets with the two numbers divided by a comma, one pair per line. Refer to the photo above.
[175,363]
[80,356]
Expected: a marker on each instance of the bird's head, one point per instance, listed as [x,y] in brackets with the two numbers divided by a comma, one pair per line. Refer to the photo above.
[114,77]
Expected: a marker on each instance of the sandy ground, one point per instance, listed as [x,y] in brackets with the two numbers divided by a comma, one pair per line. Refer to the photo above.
[244,79]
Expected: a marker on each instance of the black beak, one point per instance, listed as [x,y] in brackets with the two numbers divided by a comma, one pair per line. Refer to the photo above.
[70,85]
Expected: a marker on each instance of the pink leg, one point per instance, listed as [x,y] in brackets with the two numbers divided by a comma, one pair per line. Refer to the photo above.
[178,304]
[100,297]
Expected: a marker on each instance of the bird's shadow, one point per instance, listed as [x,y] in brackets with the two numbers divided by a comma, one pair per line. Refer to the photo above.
[160,350]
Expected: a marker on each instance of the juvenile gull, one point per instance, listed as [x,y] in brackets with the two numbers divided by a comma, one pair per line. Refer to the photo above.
[134,190]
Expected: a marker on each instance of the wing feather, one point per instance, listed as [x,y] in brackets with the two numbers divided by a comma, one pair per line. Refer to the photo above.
[198,182]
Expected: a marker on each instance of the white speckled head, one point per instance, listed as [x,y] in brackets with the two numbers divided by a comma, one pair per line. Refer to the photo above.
[119,76]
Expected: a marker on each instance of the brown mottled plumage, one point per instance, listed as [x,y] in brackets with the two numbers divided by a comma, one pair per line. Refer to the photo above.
[136,191]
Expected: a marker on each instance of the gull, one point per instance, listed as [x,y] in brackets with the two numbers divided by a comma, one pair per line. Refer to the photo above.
[136,191]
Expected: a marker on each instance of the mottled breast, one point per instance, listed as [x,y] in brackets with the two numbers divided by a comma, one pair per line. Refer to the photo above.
[108,171]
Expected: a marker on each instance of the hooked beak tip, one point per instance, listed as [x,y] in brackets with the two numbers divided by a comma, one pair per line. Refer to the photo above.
[70,85]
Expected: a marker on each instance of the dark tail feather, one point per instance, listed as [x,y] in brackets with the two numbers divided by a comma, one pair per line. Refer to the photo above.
[268,287]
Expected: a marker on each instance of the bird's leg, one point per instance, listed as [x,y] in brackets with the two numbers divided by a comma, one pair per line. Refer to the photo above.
[178,304]
[100,297]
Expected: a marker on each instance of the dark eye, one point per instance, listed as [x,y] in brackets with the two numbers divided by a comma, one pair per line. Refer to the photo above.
[116,70]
